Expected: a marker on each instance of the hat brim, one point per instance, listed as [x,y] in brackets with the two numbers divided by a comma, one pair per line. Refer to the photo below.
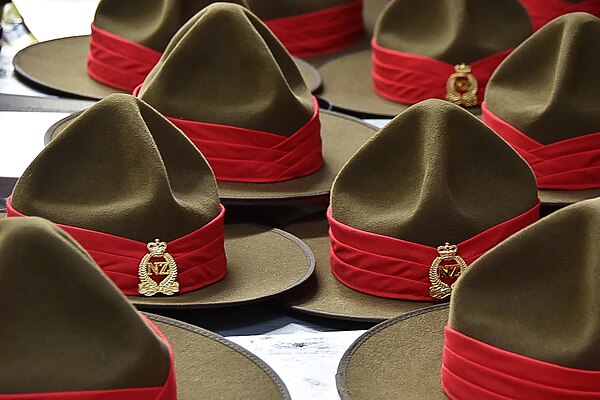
[209,366]
[261,263]
[323,295]
[60,66]
[348,87]
[342,136]
[563,198]
[397,359]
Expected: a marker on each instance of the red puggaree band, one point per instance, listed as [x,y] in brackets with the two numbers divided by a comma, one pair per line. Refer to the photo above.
[200,255]
[397,269]
[473,370]
[320,32]
[409,78]
[571,164]
[245,155]
[543,11]
[168,391]
[119,62]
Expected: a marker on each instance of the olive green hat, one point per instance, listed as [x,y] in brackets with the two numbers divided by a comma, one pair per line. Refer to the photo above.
[67,329]
[547,93]
[435,174]
[453,32]
[248,81]
[532,300]
[122,169]
[60,65]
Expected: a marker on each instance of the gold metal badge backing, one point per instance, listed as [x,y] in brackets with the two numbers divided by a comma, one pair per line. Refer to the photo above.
[440,289]
[462,86]
[167,267]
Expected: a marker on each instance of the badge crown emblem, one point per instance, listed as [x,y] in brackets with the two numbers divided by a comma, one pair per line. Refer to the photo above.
[447,250]
[449,264]
[157,247]
[462,86]
[149,265]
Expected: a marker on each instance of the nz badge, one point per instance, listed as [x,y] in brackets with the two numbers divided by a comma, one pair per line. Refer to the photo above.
[445,270]
[462,86]
[158,263]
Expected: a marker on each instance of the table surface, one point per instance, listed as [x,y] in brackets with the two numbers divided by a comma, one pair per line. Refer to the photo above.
[304,350]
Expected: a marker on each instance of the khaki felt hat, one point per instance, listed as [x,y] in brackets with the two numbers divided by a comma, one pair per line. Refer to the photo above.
[248,84]
[120,176]
[431,33]
[67,331]
[517,305]
[435,174]
[61,65]
[544,101]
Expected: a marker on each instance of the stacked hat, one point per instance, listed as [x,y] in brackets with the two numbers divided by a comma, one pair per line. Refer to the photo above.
[312,27]
[127,40]
[544,101]
[524,323]
[68,333]
[544,11]
[141,199]
[426,49]
[245,106]
[429,194]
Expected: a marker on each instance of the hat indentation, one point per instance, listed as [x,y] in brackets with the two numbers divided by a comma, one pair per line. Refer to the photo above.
[150,265]
[445,271]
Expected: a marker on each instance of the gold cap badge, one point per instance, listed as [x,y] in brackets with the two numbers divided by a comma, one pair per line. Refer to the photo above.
[462,86]
[159,263]
[444,271]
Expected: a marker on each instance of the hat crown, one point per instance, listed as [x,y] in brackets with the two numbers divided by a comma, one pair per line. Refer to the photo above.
[225,67]
[453,31]
[548,88]
[435,174]
[537,293]
[62,318]
[269,9]
[123,169]
[151,23]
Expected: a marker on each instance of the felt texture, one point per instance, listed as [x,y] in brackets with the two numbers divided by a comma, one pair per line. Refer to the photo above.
[322,294]
[453,31]
[124,170]
[434,174]
[540,283]
[398,359]
[210,367]
[153,183]
[60,66]
[548,87]
[269,9]
[249,80]
[151,23]
[315,188]
[55,304]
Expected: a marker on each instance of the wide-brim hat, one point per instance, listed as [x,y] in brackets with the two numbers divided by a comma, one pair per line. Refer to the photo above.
[166,191]
[462,34]
[511,319]
[246,91]
[553,123]
[412,183]
[60,65]
[55,293]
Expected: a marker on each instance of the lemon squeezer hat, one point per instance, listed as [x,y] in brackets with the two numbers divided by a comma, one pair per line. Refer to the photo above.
[544,102]
[426,49]
[127,40]
[520,325]
[68,333]
[429,194]
[137,194]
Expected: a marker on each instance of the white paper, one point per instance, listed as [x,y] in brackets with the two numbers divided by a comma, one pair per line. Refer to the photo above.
[52,19]
[306,361]
[22,139]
